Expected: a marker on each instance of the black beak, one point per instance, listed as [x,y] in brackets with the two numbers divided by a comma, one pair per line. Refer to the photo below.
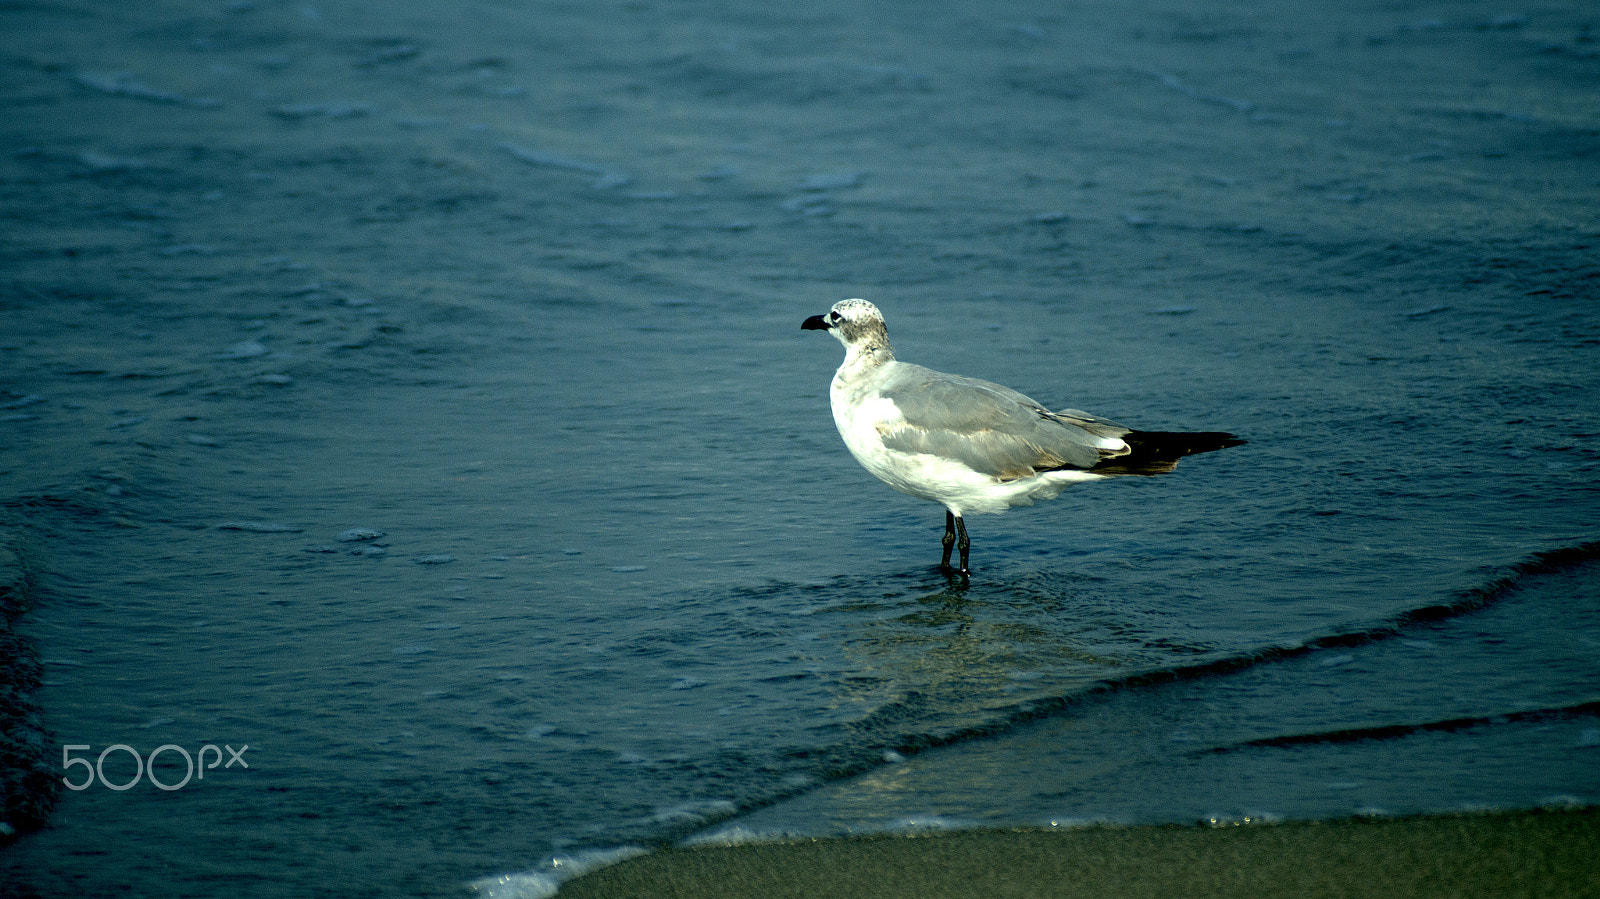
[815,323]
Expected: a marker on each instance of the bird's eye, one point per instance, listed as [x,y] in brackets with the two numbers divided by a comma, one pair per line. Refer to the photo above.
[834,316]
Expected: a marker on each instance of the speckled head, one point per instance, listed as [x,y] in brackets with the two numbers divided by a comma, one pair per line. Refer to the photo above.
[857,323]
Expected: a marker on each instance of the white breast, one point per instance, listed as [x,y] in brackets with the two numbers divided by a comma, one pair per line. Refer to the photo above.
[862,421]
[863,417]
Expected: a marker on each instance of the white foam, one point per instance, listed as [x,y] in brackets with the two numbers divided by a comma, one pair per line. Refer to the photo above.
[694,811]
[926,824]
[544,881]
[739,835]
[1247,819]
[1071,823]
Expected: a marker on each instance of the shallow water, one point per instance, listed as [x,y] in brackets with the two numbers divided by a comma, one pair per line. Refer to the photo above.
[519,286]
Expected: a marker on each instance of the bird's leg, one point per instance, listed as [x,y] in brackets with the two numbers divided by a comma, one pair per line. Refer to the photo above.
[949,539]
[962,543]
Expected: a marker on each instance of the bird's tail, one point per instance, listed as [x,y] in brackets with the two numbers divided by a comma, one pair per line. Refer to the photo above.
[1158,452]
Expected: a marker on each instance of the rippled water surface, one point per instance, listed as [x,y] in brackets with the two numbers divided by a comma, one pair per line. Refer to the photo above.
[419,400]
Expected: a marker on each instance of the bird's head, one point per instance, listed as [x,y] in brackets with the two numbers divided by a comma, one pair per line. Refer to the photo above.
[857,323]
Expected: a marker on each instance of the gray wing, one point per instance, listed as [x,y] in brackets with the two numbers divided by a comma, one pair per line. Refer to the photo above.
[1094,424]
[989,428]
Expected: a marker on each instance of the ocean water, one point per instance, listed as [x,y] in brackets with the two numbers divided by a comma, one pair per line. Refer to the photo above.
[418,400]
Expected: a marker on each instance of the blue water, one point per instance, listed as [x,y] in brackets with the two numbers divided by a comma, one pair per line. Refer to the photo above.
[285,278]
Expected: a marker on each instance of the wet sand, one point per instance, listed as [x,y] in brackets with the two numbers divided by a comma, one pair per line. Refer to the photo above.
[1510,854]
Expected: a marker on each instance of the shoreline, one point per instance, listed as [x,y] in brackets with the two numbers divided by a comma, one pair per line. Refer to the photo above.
[1506,853]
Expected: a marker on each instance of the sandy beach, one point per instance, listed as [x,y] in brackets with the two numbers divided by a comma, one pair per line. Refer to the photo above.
[1525,854]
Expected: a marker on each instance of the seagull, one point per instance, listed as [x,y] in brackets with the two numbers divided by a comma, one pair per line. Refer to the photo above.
[970,445]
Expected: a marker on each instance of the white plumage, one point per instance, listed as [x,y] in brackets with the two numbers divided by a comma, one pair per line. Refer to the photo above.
[971,445]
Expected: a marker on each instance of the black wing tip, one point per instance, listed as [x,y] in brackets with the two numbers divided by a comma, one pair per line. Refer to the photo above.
[1181,443]
[1158,452]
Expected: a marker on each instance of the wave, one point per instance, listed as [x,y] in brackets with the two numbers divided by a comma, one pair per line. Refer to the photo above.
[918,720]
[1465,602]
[1395,731]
